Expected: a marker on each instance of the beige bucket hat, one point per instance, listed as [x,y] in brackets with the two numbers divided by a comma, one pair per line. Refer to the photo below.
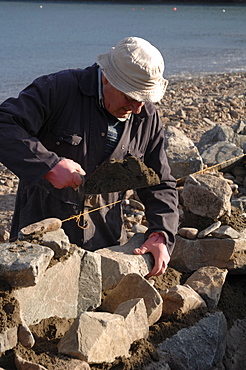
[135,67]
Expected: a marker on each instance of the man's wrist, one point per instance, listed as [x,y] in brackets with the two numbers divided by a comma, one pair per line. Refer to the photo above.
[159,233]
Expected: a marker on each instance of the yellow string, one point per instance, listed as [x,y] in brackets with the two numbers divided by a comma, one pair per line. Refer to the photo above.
[77,217]
[214,166]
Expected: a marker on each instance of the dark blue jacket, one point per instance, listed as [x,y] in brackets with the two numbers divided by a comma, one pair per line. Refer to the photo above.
[59,116]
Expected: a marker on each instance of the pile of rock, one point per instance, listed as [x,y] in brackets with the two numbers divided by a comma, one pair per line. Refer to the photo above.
[42,265]
[106,291]
[41,269]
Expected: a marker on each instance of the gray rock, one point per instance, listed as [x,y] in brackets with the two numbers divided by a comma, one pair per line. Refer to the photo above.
[201,346]
[134,286]
[119,260]
[56,240]
[207,195]
[220,152]
[48,224]
[23,264]
[157,365]
[188,232]
[180,298]
[137,228]
[226,232]
[90,282]
[215,134]
[8,339]
[190,255]
[136,319]
[183,156]
[208,282]
[25,336]
[209,230]
[56,294]
[96,337]
[235,356]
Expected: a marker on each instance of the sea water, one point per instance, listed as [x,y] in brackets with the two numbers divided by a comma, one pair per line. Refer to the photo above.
[38,38]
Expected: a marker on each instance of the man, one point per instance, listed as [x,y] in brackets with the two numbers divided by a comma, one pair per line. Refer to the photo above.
[66,124]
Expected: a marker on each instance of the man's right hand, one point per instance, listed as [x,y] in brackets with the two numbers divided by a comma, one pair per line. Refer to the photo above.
[65,173]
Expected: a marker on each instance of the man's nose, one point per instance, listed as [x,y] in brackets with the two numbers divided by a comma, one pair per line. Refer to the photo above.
[136,106]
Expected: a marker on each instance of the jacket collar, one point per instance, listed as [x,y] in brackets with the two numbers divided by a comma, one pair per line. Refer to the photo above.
[88,83]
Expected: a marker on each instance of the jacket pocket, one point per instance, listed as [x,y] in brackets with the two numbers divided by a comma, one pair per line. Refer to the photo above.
[62,142]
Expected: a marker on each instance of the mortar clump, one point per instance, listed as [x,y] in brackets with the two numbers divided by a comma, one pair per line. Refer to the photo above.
[120,175]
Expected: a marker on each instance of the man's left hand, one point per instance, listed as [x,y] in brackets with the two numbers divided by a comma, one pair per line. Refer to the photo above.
[155,244]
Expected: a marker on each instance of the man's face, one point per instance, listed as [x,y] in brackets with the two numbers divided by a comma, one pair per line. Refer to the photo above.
[117,103]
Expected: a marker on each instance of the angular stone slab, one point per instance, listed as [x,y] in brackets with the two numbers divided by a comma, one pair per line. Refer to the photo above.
[201,346]
[220,152]
[136,319]
[118,261]
[96,337]
[209,230]
[61,364]
[135,286]
[226,232]
[208,282]
[56,294]
[22,364]
[90,282]
[57,240]
[207,195]
[190,255]
[183,156]
[48,224]
[8,339]
[234,358]
[180,298]
[22,264]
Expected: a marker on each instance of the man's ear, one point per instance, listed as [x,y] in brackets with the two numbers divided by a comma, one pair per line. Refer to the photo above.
[104,80]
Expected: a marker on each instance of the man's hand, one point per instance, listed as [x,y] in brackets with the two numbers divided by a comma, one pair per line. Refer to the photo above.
[65,173]
[155,244]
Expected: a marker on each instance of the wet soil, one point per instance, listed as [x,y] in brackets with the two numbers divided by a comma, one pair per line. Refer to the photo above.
[120,175]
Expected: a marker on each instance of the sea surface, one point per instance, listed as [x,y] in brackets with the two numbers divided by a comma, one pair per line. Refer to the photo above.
[43,37]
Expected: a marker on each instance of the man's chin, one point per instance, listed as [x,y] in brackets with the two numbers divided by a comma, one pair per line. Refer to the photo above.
[125,115]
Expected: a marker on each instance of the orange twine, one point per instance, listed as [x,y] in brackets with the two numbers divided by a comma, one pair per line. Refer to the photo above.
[214,166]
[77,217]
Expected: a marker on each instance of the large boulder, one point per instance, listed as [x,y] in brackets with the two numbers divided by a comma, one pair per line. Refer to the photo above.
[207,195]
[220,152]
[183,156]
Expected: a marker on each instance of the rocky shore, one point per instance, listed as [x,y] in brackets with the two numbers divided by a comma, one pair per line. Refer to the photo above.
[193,106]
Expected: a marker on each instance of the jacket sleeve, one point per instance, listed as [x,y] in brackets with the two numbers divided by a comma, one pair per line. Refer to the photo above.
[161,201]
[21,120]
